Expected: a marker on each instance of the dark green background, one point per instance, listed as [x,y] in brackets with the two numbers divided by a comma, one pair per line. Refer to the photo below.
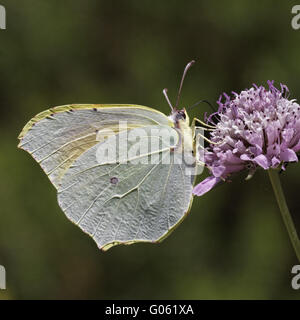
[233,244]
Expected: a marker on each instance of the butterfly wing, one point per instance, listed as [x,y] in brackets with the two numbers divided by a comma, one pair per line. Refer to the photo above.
[58,136]
[138,199]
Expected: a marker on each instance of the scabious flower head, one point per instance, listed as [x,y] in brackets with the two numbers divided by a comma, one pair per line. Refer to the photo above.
[258,128]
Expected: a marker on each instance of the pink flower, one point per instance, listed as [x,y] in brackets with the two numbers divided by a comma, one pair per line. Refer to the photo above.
[257,128]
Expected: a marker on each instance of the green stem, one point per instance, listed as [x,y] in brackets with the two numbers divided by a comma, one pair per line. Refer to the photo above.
[274,177]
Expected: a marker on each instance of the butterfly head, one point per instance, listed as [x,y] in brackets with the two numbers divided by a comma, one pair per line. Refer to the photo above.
[180,118]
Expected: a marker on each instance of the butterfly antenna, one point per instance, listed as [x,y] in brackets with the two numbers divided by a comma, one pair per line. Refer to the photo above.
[205,101]
[187,67]
[168,100]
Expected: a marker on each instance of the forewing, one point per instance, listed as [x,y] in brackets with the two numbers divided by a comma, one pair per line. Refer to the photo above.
[57,137]
[129,201]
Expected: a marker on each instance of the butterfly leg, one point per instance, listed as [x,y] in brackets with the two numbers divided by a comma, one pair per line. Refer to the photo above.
[205,125]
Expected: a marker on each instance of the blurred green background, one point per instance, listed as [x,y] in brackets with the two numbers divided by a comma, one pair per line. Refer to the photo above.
[233,245]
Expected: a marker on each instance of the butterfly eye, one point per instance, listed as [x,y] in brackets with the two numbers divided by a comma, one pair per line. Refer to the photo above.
[180,115]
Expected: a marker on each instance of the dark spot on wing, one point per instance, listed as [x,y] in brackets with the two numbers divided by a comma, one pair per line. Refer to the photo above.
[114,180]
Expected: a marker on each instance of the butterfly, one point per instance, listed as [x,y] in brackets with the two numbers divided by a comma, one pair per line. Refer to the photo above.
[114,200]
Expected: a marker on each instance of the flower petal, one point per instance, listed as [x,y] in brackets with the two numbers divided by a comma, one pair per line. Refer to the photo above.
[275,162]
[289,155]
[205,185]
[262,161]
[296,148]
[218,171]
[245,157]
[287,135]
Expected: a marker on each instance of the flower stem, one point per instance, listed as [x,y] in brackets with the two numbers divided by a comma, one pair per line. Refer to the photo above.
[275,181]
